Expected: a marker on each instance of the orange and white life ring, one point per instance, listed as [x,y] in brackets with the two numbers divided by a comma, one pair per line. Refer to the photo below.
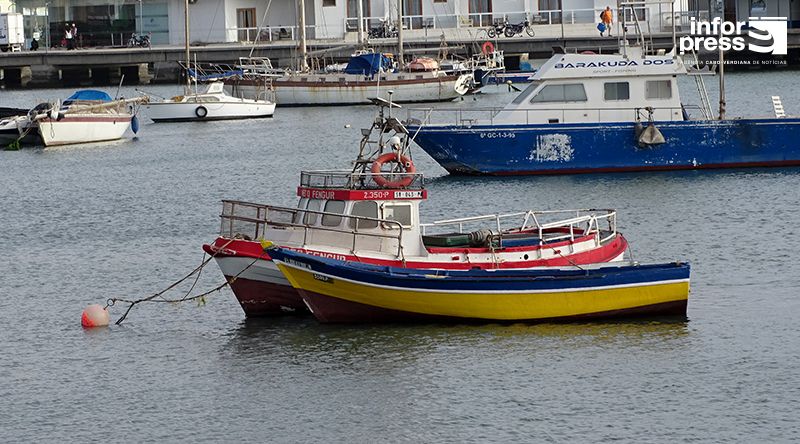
[402,182]
[487,48]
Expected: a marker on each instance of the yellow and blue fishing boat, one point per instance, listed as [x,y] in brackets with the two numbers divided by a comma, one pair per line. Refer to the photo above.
[339,291]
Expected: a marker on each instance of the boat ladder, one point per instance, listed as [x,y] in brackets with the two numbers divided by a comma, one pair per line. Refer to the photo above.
[777,106]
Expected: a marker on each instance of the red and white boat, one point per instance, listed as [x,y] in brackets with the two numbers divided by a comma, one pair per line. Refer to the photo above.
[369,214]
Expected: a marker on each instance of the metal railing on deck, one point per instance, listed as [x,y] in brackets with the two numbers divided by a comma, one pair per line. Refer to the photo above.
[582,222]
[344,179]
[250,220]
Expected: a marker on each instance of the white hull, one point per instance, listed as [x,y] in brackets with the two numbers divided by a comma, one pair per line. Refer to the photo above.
[182,111]
[83,128]
[354,90]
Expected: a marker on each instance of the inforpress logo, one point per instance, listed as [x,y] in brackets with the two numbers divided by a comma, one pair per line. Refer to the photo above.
[767,35]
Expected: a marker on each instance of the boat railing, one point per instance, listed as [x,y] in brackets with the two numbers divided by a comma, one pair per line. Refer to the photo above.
[602,223]
[468,117]
[249,220]
[346,179]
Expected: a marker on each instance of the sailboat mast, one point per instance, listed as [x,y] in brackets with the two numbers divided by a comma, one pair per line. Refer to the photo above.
[721,71]
[303,48]
[360,23]
[186,37]
[400,31]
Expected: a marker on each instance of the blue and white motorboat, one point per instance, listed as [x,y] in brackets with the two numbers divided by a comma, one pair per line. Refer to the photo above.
[588,113]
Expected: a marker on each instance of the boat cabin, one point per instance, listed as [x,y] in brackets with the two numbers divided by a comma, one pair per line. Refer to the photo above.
[590,88]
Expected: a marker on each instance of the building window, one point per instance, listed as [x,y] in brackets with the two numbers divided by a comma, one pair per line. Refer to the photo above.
[617,91]
[333,206]
[440,1]
[364,208]
[560,93]
[245,21]
[658,89]
[328,3]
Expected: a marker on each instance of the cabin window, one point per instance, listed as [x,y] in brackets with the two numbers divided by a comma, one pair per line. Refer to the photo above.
[301,205]
[526,92]
[399,213]
[333,206]
[658,89]
[364,208]
[617,91]
[313,205]
[561,93]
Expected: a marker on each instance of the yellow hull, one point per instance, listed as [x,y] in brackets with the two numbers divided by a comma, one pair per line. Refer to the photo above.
[504,306]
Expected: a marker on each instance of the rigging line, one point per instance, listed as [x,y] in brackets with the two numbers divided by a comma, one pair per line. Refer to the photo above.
[211,28]
[260,26]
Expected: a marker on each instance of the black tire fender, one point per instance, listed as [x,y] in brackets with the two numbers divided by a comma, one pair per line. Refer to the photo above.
[201,112]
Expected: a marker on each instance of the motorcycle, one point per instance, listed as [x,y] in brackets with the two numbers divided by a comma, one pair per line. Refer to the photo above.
[517,28]
[387,30]
[497,29]
[139,40]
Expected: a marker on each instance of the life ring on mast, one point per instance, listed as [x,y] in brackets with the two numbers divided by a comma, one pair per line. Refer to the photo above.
[487,48]
[402,182]
[201,112]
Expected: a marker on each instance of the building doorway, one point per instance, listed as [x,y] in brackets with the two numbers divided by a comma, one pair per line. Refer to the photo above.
[246,23]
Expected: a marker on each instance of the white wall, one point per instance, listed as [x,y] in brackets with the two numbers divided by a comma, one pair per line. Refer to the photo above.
[330,19]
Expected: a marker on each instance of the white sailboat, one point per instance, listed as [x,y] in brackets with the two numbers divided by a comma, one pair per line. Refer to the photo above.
[213,103]
[368,75]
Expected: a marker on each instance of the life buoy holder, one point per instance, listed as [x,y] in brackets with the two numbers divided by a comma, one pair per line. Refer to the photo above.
[487,48]
[402,182]
[201,112]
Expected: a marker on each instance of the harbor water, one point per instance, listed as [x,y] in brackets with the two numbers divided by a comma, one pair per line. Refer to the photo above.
[82,224]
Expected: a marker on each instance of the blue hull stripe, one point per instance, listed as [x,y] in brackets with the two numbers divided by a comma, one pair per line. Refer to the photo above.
[485,280]
[608,147]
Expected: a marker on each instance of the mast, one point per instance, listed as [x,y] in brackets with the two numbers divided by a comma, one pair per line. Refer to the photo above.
[721,79]
[186,38]
[360,23]
[400,32]
[303,48]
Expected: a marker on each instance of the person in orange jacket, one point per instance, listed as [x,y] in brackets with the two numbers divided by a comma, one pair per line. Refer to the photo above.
[606,17]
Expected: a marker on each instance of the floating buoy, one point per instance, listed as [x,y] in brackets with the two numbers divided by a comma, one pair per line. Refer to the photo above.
[347,125]
[95,315]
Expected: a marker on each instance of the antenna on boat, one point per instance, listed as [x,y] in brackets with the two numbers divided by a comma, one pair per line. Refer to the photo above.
[400,32]
[721,74]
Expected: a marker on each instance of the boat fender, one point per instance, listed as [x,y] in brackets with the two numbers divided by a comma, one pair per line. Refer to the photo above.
[637,130]
[395,157]
[651,136]
[135,124]
[487,48]
[480,238]
[201,112]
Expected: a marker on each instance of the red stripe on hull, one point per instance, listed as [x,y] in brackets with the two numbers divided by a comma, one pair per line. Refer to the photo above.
[710,166]
[259,298]
[332,310]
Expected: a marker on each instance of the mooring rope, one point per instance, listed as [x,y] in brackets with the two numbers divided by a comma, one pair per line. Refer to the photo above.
[198,270]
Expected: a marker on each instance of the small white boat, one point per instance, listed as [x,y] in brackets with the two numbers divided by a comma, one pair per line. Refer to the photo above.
[88,116]
[212,104]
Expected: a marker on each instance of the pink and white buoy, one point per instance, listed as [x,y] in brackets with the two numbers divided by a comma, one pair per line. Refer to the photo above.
[95,315]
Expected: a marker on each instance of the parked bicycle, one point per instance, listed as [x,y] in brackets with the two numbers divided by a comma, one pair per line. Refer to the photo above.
[518,28]
[139,40]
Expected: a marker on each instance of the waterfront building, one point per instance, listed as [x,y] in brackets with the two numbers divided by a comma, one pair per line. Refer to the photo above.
[111,22]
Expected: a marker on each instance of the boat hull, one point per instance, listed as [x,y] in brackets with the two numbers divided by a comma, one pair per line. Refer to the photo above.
[333,92]
[265,291]
[72,129]
[610,147]
[182,112]
[336,291]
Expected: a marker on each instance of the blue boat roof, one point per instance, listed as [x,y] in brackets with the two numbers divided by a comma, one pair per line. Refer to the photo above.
[367,64]
[90,94]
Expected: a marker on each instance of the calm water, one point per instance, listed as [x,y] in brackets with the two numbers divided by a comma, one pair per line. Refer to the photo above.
[81,224]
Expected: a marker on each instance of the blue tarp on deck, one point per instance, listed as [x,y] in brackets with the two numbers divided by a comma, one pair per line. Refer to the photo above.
[90,94]
[367,64]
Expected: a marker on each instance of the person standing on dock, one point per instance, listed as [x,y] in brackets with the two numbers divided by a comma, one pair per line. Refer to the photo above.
[74,30]
[68,37]
[606,17]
